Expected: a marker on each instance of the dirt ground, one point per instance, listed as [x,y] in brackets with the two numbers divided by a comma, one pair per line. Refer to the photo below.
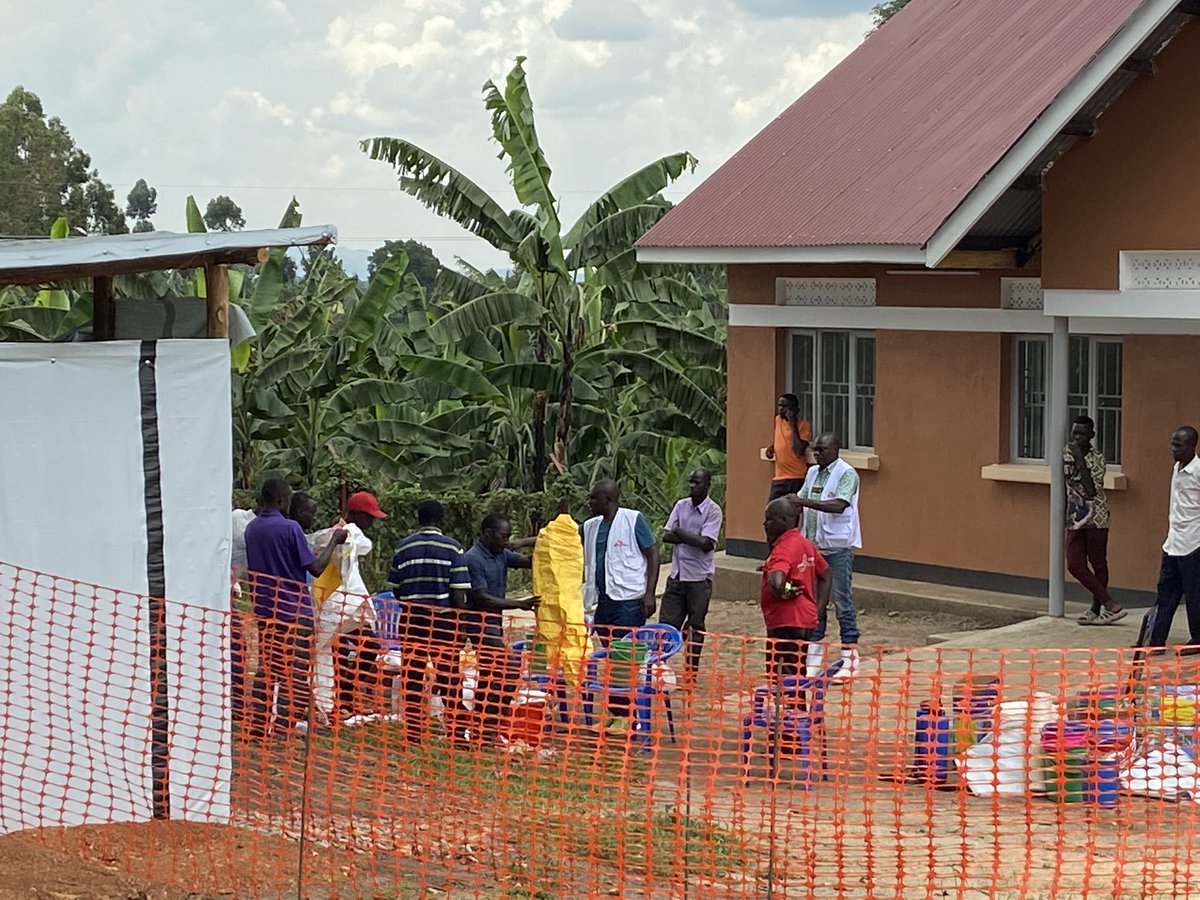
[153,861]
[881,630]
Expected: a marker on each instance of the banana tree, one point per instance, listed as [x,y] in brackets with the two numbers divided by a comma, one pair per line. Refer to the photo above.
[573,287]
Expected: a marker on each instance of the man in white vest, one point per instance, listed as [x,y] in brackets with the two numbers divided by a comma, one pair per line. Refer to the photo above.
[620,564]
[829,499]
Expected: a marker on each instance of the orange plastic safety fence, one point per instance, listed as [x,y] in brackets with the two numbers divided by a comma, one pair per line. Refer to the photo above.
[188,750]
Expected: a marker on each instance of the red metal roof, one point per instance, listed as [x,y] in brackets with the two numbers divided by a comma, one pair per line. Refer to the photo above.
[887,145]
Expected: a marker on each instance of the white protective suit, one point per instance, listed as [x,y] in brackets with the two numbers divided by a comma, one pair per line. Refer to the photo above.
[347,609]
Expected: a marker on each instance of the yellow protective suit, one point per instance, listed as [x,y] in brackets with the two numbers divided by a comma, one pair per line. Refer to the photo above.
[558,580]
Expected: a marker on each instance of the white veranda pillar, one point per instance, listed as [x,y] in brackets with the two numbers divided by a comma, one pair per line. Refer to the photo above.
[1055,438]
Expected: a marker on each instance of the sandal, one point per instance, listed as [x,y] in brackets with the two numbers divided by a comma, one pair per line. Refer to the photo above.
[1108,616]
[1091,617]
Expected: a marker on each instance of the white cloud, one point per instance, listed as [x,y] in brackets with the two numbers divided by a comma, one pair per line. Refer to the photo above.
[280,110]
[260,106]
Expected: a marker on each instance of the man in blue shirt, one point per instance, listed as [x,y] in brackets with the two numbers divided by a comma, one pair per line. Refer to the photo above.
[278,558]
[488,562]
[431,580]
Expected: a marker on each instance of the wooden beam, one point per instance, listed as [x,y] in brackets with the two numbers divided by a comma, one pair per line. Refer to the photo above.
[1030,183]
[1142,65]
[979,259]
[104,311]
[216,290]
[1080,128]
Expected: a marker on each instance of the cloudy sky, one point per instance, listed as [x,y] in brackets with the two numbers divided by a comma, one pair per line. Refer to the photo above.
[263,99]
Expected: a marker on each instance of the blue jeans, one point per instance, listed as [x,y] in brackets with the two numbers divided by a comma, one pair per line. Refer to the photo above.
[841,567]
[616,618]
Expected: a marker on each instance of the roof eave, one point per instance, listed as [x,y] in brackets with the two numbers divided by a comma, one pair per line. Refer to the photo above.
[1035,139]
[898,254]
[90,257]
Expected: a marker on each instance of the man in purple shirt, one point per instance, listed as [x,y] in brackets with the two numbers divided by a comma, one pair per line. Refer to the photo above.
[693,528]
[277,558]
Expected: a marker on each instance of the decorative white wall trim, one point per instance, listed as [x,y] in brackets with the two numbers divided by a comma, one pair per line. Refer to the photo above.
[889,318]
[1047,126]
[897,254]
[1154,304]
[1020,293]
[825,291]
[1160,270]
[993,321]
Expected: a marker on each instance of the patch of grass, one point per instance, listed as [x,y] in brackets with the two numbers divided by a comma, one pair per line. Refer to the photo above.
[587,805]
[661,842]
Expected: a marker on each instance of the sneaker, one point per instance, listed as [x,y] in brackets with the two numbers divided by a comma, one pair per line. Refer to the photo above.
[1108,616]
[850,665]
[1091,617]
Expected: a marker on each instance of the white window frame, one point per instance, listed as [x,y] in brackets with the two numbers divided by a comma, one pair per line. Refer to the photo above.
[852,423]
[1015,391]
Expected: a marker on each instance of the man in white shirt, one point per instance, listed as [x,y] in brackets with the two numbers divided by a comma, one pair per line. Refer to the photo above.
[829,502]
[1179,577]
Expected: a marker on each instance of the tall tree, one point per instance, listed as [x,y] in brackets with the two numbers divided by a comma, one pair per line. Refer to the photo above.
[46,176]
[559,321]
[222,214]
[884,10]
[140,205]
[422,263]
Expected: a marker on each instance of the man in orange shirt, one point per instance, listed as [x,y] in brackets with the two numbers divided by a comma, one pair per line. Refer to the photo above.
[790,446]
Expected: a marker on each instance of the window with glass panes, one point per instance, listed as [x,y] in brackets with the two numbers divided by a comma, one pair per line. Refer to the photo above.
[1093,389]
[833,374]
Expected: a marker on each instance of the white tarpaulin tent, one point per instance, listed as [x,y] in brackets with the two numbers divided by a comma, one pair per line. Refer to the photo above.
[115,485]
[121,479]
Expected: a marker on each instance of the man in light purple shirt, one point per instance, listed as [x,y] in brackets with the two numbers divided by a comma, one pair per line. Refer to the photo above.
[693,529]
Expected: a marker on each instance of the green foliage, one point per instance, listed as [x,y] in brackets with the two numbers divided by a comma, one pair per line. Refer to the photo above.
[422,262]
[884,10]
[222,214]
[587,347]
[140,205]
[45,175]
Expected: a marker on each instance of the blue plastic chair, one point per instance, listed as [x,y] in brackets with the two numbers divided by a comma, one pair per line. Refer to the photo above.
[390,615]
[661,642]
[551,681]
[801,703]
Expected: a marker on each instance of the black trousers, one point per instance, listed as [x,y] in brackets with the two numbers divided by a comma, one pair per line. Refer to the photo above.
[781,487]
[785,651]
[685,605]
[1178,579]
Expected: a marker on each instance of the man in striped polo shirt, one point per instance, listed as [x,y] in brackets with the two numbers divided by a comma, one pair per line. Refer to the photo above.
[431,580]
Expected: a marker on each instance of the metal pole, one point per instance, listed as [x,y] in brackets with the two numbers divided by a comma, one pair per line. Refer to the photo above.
[1055,439]
[305,791]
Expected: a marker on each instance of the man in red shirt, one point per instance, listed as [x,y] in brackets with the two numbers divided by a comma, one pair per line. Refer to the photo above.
[796,583]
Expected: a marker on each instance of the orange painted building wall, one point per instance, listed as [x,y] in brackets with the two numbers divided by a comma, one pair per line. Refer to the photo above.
[1135,184]
[941,414]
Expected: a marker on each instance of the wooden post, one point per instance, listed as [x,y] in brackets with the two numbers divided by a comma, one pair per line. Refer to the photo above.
[104,313]
[216,287]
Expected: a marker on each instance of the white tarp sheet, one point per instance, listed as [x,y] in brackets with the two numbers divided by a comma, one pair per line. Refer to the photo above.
[75,703]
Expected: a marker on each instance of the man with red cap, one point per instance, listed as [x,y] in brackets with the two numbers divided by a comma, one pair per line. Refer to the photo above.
[363,509]
[346,644]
